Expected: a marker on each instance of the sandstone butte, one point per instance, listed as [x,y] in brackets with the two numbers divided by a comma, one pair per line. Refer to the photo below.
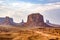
[36,19]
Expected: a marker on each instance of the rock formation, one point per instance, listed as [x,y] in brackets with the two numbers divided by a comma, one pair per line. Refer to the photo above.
[47,22]
[35,19]
[51,24]
[21,23]
[6,21]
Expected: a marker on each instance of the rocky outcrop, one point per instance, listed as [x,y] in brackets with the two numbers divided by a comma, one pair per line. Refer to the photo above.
[36,19]
[54,25]
[47,22]
[6,21]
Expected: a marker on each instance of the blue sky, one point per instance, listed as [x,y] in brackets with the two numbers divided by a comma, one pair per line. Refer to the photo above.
[33,1]
[40,1]
[20,9]
[36,1]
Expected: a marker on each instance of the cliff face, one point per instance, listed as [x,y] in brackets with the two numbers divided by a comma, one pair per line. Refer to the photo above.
[35,20]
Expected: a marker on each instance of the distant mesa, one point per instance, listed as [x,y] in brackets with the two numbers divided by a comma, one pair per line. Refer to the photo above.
[54,25]
[36,19]
[6,21]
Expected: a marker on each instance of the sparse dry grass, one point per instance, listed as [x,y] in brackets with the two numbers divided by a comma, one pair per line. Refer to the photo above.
[17,33]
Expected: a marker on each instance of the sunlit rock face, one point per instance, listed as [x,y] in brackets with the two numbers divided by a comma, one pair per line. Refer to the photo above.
[35,19]
[6,21]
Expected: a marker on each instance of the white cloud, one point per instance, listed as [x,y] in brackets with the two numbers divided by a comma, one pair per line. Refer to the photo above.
[1,1]
[20,10]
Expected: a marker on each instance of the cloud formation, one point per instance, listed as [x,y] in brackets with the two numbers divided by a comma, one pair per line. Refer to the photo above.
[20,10]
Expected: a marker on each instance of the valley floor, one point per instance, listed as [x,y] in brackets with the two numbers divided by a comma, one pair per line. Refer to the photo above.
[39,33]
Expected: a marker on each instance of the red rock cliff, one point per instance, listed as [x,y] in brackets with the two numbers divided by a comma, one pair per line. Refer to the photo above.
[35,19]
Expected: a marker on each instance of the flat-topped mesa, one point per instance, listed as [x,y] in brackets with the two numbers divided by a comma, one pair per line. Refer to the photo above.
[6,21]
[35,19]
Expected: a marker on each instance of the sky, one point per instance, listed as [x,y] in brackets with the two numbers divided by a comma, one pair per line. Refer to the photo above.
[20,9]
